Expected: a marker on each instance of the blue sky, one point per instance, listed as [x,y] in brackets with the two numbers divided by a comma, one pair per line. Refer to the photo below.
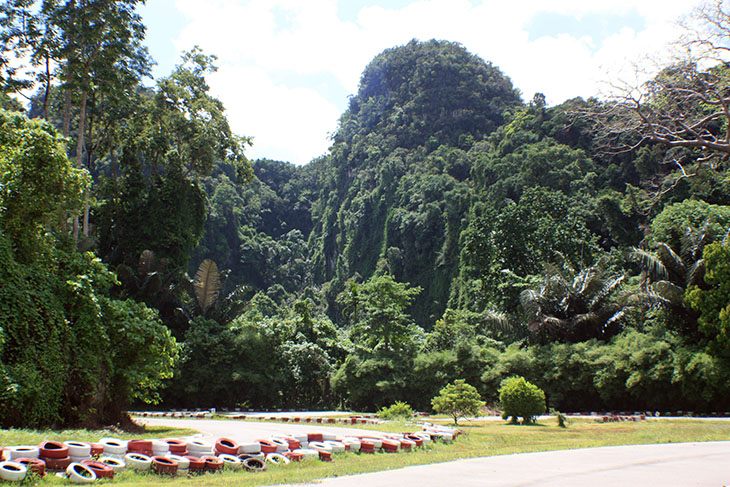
[286,67]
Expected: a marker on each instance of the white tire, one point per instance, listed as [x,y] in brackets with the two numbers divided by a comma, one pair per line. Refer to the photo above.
[320,445]
[78,449]
[182,462]
[377,442]
[114,446]
[23,451]
[117,464]
[160,448]
[79,459]
[300,437]
[277,459]
[353,442]
[337,446]
[249,447]
[281,444]
[138,461]
[80,474]
[200,446]
[231,462]
[12,471]
[328,437]
[307,452]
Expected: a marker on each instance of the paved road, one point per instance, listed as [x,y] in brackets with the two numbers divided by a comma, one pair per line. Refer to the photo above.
[674,464]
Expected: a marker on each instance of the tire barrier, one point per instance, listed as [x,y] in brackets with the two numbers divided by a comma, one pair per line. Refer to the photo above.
[12,471]
[354,419]
[202,456]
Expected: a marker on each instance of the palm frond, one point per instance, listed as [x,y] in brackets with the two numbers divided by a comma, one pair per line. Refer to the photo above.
[207,284]
[671,260]
[669,291]
[649,261]
[696,273]
[606,291]
[498,320]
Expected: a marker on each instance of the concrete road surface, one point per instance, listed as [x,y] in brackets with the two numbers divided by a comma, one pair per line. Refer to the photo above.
[673,464]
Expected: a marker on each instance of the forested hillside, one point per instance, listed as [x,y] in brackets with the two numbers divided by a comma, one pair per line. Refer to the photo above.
[452,231]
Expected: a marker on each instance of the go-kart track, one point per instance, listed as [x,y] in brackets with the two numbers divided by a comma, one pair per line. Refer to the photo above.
[674,464]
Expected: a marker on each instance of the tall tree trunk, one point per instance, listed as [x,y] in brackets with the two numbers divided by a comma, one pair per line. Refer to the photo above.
[47,87]
[80,161]
[65,128]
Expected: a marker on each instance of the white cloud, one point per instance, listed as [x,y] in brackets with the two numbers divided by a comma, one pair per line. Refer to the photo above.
[303,40]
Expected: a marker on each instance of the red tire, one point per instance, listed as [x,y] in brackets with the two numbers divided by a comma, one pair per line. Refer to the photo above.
[57,463]
[226,445]
[267,446]
[294,457]
[212,464]
[164,466]
[34,465]
[102,470]
[177,447]
[197,465]
[97,449]
[140,446]
[53,449]
[315,437]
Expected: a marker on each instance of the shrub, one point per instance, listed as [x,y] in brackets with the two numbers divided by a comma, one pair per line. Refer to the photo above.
[399,409]
[520,398]
[458,400]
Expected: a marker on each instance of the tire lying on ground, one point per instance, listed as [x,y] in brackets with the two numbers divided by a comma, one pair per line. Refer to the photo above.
[307,452]
[254,464]
[226,445]
[102,470]
[277,459]
[164,465]
[34,465]
[231,462]
[320,445]
[80,474]
[138,461]
[115,463]
[12,471]
[336,446]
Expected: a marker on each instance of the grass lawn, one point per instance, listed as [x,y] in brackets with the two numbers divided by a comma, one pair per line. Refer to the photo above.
[482,438]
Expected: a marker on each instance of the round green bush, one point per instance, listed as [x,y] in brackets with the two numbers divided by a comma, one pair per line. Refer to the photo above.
[520,398]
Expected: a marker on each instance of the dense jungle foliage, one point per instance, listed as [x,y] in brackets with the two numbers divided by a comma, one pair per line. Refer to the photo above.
[452,231]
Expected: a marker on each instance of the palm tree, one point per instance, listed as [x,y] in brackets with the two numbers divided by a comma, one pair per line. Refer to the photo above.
[570,307]
[667,273]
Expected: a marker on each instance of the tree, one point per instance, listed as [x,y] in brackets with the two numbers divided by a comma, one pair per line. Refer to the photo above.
[37,182]
[685,108]
[569,306]
[520,398]
[378,309]
[713,303]
[458,400]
